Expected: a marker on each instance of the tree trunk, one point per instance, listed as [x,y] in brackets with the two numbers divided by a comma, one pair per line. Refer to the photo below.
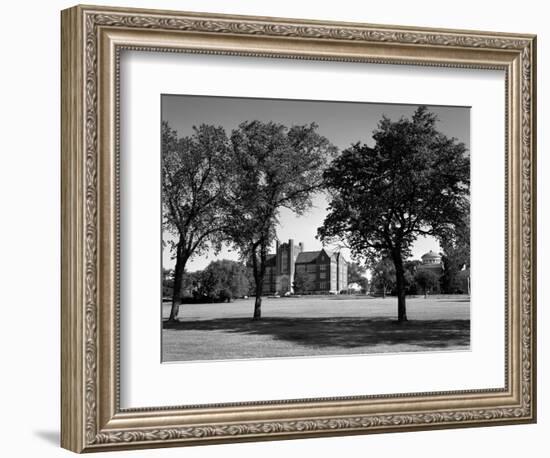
[258,303]
[181,261]
[400,286]
[259,271]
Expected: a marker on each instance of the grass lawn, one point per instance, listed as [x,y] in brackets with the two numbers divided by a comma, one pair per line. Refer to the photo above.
[315,325]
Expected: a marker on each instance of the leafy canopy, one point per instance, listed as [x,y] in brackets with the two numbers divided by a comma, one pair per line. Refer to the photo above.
[224,279]
[356,274]
[194,185]
[426,279]
[414,181]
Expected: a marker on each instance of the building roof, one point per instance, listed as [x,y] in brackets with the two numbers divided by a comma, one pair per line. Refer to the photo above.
[305,257]
[270,260]
[431,255]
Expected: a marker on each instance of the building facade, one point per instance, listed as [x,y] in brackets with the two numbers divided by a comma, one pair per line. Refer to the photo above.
[432,261]
[291,269]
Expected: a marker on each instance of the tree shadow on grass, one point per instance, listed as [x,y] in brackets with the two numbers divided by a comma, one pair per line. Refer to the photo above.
[340,332]
[454,301]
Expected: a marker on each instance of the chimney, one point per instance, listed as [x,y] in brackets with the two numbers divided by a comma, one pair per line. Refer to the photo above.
[277,258]
[291,260]
[301,245]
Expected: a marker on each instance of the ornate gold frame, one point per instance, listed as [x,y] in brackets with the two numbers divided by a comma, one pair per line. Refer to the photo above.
[92,38]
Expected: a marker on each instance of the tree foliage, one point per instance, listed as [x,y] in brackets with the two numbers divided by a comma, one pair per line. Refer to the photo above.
[413,181]
[168,278]
[274,167]
[302,282]
[426,279]
[223,280]
[356,274]
[383,277]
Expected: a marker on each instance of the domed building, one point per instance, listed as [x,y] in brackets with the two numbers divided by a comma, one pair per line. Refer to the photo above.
[431,260]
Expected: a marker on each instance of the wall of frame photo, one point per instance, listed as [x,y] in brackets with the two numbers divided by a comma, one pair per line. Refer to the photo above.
[30,246]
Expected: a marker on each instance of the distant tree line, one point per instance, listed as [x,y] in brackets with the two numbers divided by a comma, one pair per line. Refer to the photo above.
[452,280]
[225,280]
[221,281]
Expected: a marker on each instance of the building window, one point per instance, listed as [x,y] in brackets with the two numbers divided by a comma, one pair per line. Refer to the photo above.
[323,267]
[322,275]
[284,261]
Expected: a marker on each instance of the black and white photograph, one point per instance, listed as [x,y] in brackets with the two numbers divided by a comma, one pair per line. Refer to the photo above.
[262,229]
[305,228]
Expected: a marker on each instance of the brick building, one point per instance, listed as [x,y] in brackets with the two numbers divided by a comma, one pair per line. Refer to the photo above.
[318,272]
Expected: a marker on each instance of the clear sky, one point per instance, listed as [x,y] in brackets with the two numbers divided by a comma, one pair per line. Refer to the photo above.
[343,123]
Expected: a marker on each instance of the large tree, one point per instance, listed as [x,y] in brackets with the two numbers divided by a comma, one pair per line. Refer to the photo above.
[414,181]
[194,170]
[275,167]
